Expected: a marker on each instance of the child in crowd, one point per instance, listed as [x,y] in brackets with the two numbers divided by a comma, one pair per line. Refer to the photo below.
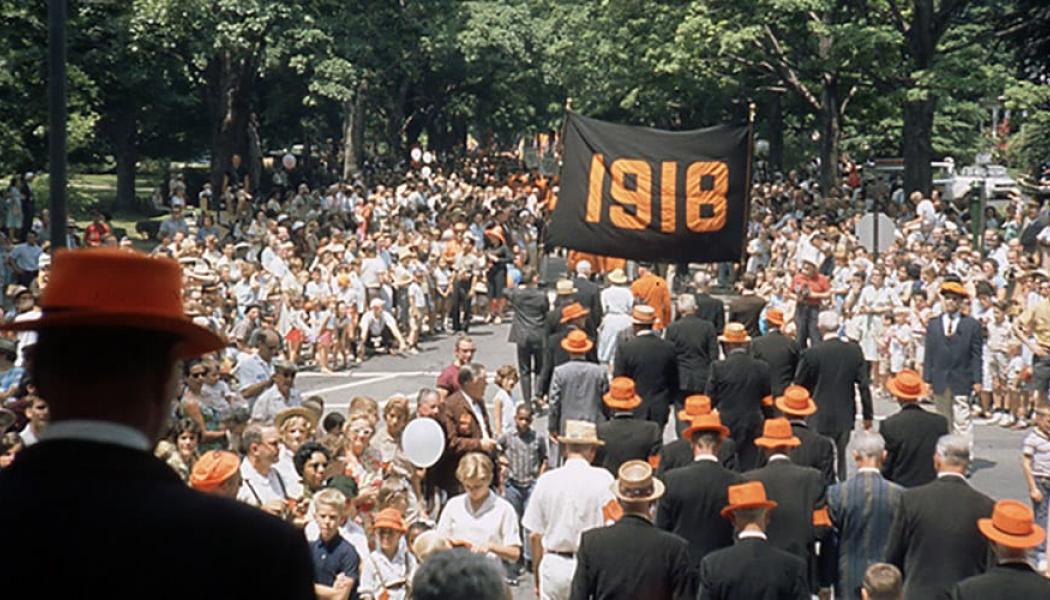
[998,334]
[902,341]
[389,568]
[336,562]
[504,402]
[524,460]
[322,327]
[1036,462]
[1019,375]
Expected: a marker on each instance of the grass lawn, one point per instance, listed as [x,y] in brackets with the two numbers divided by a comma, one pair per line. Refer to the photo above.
[90,190]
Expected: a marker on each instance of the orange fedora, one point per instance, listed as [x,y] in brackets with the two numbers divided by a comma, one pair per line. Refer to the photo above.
[796,402]
[695,405]
[776,433]
[747,495]
[573,311]
[708,422]
[954,287]
[577,342]
[734,333]
[107,287]
[775,316]
[390,518]
[621,395]
[1013,525]
[213,468]
[907,385]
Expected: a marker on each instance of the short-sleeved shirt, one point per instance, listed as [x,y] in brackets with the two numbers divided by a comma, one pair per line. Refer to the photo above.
[448,379]
[1038,317]
[251,369]
[1037,445]
[525,454]
[566,502]
[494,522]
[334,557]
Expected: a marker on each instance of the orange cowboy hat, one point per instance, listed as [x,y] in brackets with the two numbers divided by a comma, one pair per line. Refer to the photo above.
[796,402]
[775,316]
[954,287]
[734,333]
[577,342]
[109,287]
[695,405]
[390,518]
[212,469]
[777,433]
[573,311]
[907,385]
[708,422]
[643,314]
[1012,525]
[621,395]
[747,495]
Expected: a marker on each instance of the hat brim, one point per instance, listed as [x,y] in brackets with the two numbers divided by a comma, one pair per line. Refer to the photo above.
[193,340]
[582,313]
[582,350]
[565,292]
[791,442]
[658,492]
[722,430]
[564,439]
[728,510]
[777,322]
[891,387]
[998,536]
[617,280]
[384,524]
[622,403]
[724,339]
[782,406]
[295,411]
[635,321]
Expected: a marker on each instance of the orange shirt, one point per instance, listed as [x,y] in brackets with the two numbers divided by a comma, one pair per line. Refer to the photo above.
[652,290]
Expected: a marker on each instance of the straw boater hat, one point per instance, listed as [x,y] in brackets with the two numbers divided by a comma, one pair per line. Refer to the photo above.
[1012,525]
[775,316]
[954,288]
[109,287]
[402,279]
[734,333]
[695,405]
[564,287]
[777,433]
[573,311]
[390,518]
[213,468]
[295,411]
[580,432]
[616,277]
[708,422]
[747,495]
[577,342]
[643,314]
[635,483]
[796,402]
[906,385]
[621,394]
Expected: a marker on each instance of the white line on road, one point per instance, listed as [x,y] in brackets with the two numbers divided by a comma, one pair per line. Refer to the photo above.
[310,374]
[343,386]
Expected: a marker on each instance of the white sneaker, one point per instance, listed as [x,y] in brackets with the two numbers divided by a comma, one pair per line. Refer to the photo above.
[1007,420]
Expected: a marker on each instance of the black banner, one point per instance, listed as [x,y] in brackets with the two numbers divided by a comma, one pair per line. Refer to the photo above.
[647,194]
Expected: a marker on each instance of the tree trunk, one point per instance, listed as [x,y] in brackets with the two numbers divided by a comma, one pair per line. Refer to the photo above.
[776,133]
[917,143]
[126,158]
[228,98]
[829,137]
[354,132]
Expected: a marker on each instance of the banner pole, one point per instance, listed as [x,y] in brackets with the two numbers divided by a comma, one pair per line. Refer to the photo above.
[748,184]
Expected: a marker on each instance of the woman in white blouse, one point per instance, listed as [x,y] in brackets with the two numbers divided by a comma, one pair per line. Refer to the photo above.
[479,519]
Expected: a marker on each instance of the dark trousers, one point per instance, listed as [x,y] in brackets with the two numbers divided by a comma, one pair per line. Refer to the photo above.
[806,324]
[841,440]
[461,305]
[26,278]
[530,362]
[386,339]
[518,496]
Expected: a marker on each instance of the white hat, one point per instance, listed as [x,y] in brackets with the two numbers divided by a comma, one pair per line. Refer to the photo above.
[44,261]
[376,302]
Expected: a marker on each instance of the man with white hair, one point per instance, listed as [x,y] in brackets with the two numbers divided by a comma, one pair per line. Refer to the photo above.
[834,371]
[708,307]
[587,292]
[379,323]
[695,346]
[934,539]
[861,509]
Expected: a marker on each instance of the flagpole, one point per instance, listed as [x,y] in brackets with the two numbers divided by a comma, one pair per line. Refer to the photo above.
[748,184]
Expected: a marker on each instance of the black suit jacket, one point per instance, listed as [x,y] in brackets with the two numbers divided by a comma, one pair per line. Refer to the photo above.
[711,309]
[696,347]
[816,451]
[530,312]
[691,507]
[833,371]
[737,386]
[632,560]
[679,453]
[554,355]
[746,310]
[752,569]
[90,520]
[1006,581]
[588,294]
[798,491]
[953,362]
[911,439]
[650,361]
[626,438]
[934,539]
[781,354]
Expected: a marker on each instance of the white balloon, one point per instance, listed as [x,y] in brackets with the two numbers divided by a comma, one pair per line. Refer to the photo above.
[423,442]
[427,157]
[288,160]
[425,171]
[416,153]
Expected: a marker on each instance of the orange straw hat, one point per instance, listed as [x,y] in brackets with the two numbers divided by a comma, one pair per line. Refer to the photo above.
[1012,525]
[643,314]
[734,333]
[390,518]
[109,287]
[708,422]
[777,433]
[775,316]
[573,311]
[796,402]
[747,495]
[212,469]
[621,395]
[954,287]
[577,342]
[907,385]
[695,405]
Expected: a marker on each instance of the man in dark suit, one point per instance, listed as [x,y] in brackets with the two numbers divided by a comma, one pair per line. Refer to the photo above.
[587,292]
[911,434]
[952,364]
[752,568]
[120,315]
[527,331]
[632,558]
[708,307]
[747,307]
[650,361]
[626,437]
[739,389]
[799,491]
[1012,534]
[573,317]
[464,431]
[778,351]
[679,453]
[815,450]
[697,493]
[834,371]
[696,347]
[934,539]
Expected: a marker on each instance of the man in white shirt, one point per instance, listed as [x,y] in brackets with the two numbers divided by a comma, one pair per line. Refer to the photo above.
[253,370]
[566,502]
[38,414]
[279,396]
[261,485]
[379,323]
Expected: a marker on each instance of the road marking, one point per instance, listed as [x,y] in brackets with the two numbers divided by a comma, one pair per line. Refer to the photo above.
[345,374]
[343,386]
